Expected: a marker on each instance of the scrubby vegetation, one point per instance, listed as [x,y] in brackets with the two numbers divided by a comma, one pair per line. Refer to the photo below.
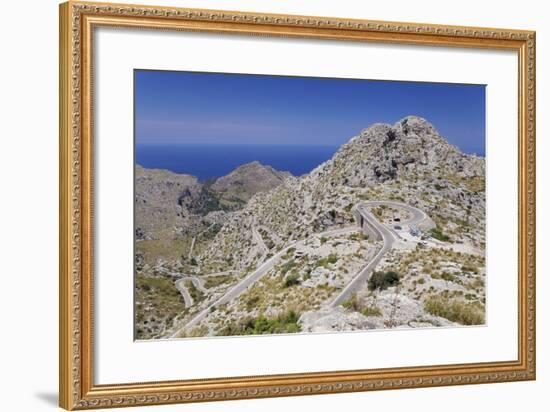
[163,302]
[196,294]
[285,323]
[352,303]
[358,236]
[438,234]
[456,310]
[214,281]
[329,260]
[291,280]
[371,311]
[186,228]
[356,305]
[383,280]
[288,266]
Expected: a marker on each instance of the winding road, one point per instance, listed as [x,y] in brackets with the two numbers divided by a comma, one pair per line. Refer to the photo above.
[187,299]
[386,234]
[197,282]
[253,277]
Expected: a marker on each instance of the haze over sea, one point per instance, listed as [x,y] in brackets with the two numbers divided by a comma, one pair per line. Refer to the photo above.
[208,161]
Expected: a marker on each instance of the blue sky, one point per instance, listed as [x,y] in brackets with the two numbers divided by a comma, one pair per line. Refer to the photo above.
[209,108]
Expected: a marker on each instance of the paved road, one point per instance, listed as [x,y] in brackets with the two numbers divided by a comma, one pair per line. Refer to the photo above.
[418,216]
[253,277]
[388,236]
[187,299]
[197,282]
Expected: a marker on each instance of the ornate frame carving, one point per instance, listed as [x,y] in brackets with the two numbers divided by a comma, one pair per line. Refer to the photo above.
[77,21]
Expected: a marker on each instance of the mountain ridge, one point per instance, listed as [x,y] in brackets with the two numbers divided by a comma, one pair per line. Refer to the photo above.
[409,163]
[376,160]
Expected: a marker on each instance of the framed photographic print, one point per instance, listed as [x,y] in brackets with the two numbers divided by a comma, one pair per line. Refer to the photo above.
[258,205]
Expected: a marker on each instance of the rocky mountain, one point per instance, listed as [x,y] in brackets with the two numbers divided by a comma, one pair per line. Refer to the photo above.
[157,194]
[173,206]
[408,161]
[255,214]
[246,180]
[176,216]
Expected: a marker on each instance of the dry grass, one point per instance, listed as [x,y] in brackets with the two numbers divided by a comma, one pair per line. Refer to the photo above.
[456,310]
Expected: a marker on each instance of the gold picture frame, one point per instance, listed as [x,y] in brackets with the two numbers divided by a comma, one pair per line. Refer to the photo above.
[76,385]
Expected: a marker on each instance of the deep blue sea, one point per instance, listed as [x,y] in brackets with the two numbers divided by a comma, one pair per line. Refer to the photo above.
[211,161]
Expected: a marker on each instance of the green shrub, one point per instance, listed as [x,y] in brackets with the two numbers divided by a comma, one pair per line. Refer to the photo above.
[383,280]
[456,310]
[438,234]
[329,260]
[287,266]
[291,280]
[285,323]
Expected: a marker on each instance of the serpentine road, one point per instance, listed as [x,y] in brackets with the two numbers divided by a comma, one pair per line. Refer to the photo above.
[240,287]
[197,282]
[388,236]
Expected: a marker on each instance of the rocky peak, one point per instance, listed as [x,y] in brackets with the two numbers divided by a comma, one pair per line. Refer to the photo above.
[384,152]
[410,131]
[408,161]
[248,179]
[414,125]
